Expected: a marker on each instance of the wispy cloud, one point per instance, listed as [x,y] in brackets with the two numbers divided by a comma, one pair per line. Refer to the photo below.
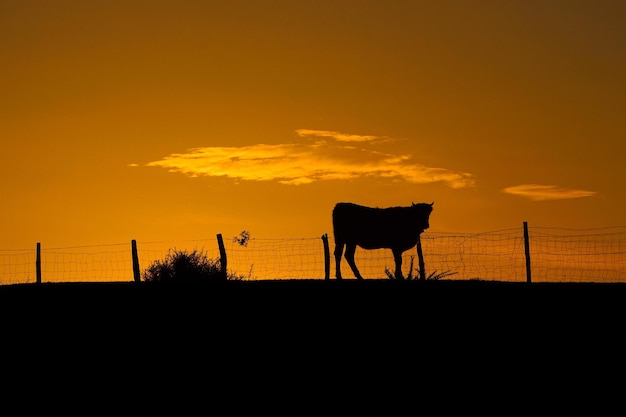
[327,158]
[539,192]
[341,137]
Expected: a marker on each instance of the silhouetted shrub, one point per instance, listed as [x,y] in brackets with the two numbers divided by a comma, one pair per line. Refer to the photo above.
[183,266]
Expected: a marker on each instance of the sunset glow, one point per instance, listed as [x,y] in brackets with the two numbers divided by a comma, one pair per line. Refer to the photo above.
[176,121]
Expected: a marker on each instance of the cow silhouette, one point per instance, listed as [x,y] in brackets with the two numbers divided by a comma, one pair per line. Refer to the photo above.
[395,228]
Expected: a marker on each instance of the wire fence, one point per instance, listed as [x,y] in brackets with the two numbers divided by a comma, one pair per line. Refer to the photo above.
[555,255]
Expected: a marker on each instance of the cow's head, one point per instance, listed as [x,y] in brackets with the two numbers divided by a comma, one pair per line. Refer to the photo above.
[423,211]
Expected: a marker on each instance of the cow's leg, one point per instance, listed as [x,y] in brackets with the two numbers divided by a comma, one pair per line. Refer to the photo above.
[338,252]
[350,249]
[397,257]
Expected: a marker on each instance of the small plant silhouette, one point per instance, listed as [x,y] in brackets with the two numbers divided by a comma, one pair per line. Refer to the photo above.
[433,276]
[243,238]
[183,266]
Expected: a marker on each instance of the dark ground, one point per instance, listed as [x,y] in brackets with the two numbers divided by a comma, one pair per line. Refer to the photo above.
[318,296]
[392,315]
[313,339]
[284,302]
[372,317]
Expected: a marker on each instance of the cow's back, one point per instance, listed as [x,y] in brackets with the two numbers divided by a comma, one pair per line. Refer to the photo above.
[365,226]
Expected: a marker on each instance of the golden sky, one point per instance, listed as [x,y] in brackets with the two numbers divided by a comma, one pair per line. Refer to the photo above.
[159,120]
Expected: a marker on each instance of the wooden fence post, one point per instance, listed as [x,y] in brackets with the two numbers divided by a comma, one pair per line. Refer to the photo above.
[38,263]
[135,256]
[420,259]
[527,251]
[326,256]
[223,261]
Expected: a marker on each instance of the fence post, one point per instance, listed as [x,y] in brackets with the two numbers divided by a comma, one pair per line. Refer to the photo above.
[223,261]
[38,263]
[326,256]
[420,258]
[135,256]
[527,251]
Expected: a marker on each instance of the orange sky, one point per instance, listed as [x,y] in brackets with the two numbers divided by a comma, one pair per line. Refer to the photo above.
[158,120]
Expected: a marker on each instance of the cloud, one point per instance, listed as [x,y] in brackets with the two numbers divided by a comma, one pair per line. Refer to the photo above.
[538,192]
[327,158]
[341,137]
